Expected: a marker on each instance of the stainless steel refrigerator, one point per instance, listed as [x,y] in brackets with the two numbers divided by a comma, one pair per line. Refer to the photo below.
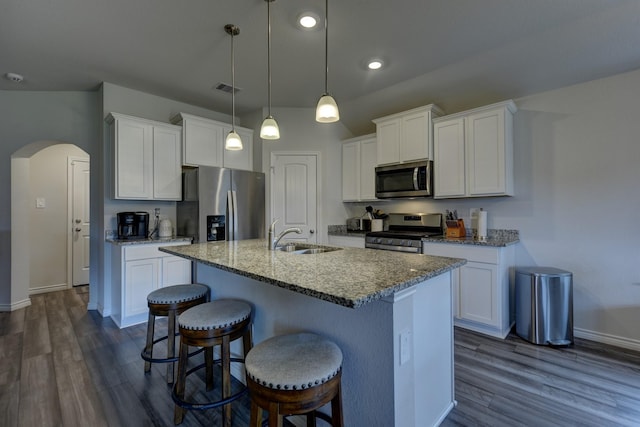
[221,204]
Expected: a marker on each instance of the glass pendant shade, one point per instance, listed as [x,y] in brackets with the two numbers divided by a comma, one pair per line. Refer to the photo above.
[269,129]
[233,142]
[327,110]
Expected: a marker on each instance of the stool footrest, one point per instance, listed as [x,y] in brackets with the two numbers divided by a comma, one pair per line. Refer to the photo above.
[208,405]
[143,354]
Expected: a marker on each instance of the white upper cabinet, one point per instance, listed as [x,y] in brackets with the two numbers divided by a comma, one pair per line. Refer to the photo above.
[167,171]
[146,158]
[203,143]
[203,140]
[240,159]
[473,152]
[406,136]
[359,157]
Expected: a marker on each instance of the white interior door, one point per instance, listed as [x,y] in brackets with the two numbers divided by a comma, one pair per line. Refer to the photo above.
[80,222]
[294,194]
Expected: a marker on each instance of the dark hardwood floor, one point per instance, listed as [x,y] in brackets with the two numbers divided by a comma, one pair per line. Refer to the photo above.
[61,365]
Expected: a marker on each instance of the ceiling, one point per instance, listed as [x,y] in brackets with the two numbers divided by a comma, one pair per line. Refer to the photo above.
[456,53]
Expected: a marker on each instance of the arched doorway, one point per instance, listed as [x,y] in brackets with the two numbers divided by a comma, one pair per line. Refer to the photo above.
[41,193]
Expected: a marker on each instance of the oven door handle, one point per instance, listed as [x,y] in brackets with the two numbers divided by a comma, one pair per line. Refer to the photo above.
[415,178]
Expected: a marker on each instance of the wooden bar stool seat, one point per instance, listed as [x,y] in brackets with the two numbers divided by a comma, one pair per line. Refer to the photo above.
[292,375]
[208,325]
[169,301]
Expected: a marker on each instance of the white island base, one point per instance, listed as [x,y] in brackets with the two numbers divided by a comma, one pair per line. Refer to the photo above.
[398,351]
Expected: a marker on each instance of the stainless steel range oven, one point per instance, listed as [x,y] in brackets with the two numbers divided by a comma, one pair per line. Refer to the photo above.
[405,232]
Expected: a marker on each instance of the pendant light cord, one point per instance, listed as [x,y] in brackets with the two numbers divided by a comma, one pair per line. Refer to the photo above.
[269,51]
[233,85]
[326,47]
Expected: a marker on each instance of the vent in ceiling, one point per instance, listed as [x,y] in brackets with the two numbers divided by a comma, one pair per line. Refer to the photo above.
[226,88]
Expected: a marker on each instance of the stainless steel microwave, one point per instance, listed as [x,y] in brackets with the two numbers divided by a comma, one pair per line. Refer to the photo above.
[405,180]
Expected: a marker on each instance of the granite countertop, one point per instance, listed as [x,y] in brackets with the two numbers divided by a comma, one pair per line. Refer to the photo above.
[123,242]
[350,277]
[495,238]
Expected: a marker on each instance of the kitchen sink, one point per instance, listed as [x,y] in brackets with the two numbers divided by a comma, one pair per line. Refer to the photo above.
[305,249]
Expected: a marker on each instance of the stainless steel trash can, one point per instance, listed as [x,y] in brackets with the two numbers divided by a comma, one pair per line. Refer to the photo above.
[544,305]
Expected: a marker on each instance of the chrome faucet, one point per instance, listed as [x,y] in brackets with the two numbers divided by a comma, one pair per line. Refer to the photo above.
[273,241]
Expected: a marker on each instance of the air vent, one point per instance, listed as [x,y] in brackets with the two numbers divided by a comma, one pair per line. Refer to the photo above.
[226,88]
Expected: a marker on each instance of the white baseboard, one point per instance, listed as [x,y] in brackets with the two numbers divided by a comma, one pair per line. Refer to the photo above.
[49,288]
[15,305]
[607,339]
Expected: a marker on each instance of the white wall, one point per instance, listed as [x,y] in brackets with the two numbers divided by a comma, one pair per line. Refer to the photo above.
[577,199]
[25,118]
[49,226]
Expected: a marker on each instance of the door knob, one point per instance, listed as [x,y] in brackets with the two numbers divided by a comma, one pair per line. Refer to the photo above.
[78,229]
[311,231]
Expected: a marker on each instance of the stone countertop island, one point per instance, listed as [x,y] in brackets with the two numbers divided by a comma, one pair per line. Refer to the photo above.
[389,312]
[348,276]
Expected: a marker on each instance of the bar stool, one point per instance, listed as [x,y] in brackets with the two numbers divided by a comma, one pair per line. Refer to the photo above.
[292,375]
[207,325]
[169,301]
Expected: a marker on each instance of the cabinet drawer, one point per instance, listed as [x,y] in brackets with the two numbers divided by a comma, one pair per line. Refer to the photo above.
[472,253]
[144,251]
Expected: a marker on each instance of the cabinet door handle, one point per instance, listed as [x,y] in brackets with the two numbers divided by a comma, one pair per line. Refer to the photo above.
[78,229]
[311,231]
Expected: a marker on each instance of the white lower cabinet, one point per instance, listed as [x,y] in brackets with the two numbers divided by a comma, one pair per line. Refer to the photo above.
[483,294]
[347,241]
[137,270]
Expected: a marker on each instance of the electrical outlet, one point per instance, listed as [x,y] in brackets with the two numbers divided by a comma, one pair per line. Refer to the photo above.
[109,234]
[157,212]
[41,203]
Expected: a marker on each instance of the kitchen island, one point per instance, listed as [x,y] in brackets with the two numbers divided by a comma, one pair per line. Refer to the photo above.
[390,313]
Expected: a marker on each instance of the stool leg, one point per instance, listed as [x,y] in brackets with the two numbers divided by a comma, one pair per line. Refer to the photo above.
[336,408]
[225,351]
[148,348]
[275,419]
[171,344]
[247,341]
[208,361]
[179,385]
[255,419]
[311,419]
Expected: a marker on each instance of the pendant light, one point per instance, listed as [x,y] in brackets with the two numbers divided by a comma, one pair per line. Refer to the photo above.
[233,141]
[327,109]
[269,129]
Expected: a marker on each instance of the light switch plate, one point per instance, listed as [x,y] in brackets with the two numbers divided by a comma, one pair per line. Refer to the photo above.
[40,203]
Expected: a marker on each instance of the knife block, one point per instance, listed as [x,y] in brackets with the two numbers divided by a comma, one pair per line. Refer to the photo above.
[456,229]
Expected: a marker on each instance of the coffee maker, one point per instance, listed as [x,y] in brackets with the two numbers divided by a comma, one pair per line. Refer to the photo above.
[133,225]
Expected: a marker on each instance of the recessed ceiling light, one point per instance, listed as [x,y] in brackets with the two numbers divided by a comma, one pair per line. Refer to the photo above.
[375,64]
[308,20]
[14,77]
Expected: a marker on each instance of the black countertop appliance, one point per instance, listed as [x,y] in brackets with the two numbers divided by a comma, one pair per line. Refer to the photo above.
[133,225]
